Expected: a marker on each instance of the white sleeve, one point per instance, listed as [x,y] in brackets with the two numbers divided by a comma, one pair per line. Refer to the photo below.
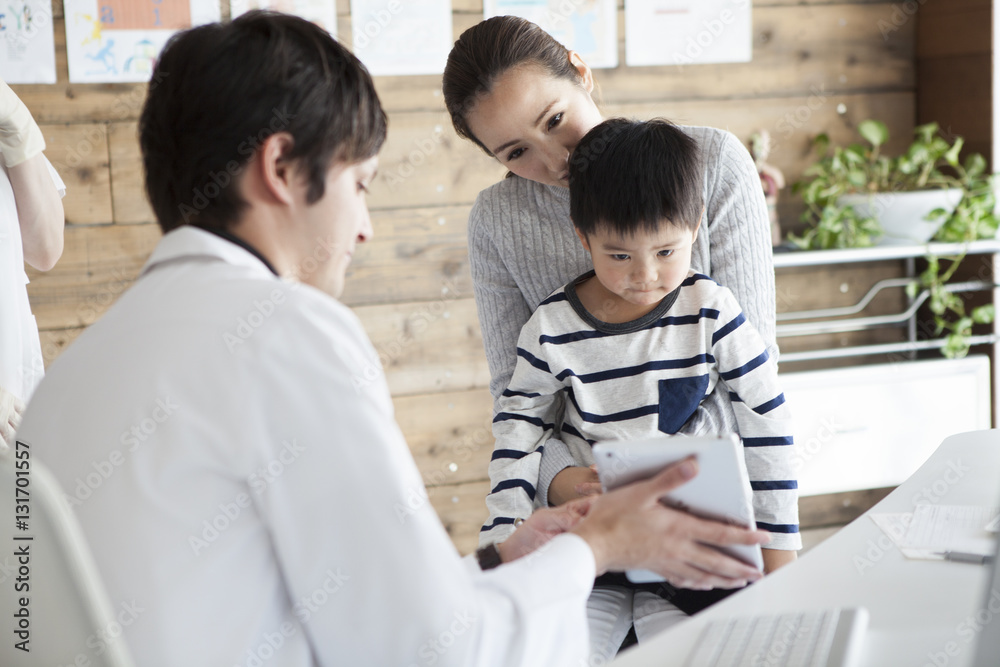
[354,509]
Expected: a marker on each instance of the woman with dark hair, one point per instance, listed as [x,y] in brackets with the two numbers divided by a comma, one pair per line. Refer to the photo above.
[526,100]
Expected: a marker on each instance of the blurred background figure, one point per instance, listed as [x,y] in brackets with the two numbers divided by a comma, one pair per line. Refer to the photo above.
[31,230]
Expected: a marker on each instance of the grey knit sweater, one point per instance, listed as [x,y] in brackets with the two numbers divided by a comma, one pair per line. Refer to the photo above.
[522,247]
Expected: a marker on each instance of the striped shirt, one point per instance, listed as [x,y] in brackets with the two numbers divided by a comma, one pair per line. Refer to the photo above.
[640,379]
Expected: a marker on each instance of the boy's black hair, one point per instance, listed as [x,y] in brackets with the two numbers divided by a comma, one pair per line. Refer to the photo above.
[221,89]
[627,176]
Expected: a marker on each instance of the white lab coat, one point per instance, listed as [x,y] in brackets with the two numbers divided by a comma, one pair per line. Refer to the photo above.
[21,365]
[227,439]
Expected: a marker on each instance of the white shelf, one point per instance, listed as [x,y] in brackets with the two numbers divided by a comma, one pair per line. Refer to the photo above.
[882,252]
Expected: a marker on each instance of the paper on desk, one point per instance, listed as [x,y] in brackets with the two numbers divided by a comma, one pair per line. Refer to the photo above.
[932,529]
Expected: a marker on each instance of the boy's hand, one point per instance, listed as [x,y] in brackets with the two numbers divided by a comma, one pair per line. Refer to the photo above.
[629,528]
[572,483]
[542,526]
[775,558]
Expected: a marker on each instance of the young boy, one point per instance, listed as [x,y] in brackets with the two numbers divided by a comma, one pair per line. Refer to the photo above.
[630,349]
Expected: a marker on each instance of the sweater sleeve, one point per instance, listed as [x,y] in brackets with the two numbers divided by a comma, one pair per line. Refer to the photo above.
[740,235]
[528,410]
[751,376]
[499,302]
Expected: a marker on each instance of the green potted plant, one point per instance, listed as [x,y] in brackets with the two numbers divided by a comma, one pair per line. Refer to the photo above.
[856,196]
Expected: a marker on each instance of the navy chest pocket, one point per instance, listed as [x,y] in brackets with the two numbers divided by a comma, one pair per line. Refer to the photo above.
[679,398]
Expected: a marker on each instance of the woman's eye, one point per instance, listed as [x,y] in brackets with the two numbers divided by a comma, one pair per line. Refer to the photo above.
[514,154]
[666,253]
[555,120]
[362,188]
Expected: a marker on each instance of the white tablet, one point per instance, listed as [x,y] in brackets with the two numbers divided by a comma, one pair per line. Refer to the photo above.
[720,490]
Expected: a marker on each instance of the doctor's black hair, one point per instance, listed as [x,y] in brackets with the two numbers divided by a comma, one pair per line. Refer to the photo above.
[219,90]
[629,175]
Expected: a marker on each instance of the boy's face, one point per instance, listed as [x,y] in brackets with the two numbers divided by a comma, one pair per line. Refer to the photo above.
[644,267]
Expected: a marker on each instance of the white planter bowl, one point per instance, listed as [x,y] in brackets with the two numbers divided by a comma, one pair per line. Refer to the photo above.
[901,214]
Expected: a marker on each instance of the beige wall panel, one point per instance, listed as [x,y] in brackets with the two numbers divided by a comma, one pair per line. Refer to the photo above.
[450,434]
[79,152]
[462,509]
[98,264]
[428,346]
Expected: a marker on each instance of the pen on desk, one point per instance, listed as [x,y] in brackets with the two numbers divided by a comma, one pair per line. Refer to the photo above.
[965,557]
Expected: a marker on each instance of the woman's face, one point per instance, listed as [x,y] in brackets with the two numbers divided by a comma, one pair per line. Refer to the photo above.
[531,121]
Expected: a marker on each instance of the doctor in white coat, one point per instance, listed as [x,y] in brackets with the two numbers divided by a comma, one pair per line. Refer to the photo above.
[31,230]
[225,432]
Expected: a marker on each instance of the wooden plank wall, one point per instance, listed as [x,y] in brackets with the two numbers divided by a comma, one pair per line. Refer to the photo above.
[818,65]
[954,59]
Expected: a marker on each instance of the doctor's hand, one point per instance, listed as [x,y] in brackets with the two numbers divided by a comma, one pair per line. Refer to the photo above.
[20,137]
[574,482]
[542,526]
[11,409]
[629,528]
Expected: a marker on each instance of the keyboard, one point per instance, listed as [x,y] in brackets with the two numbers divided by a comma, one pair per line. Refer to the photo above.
[824,638]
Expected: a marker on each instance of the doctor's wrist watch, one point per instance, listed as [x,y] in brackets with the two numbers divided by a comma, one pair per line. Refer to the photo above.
[488,557]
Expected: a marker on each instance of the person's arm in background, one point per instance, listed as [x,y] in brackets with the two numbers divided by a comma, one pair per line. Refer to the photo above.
[39,211]
[503,312]
[740,234]
[39,206]
[747,370]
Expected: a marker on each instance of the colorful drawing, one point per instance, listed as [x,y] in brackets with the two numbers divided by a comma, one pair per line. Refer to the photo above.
[106,57]
[150,15]
[143,59]
[27,45]
[123,38]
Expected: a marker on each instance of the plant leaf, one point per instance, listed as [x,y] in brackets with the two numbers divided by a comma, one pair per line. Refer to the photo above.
[875,132]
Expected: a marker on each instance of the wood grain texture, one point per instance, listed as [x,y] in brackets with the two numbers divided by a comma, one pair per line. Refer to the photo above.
[79,152]
[428,346]
[97,265]
[450,434]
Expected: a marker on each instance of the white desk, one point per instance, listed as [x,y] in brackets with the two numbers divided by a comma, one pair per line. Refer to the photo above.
[916,607]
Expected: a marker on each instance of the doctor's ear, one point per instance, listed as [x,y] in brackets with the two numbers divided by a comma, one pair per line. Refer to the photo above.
[275,172]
